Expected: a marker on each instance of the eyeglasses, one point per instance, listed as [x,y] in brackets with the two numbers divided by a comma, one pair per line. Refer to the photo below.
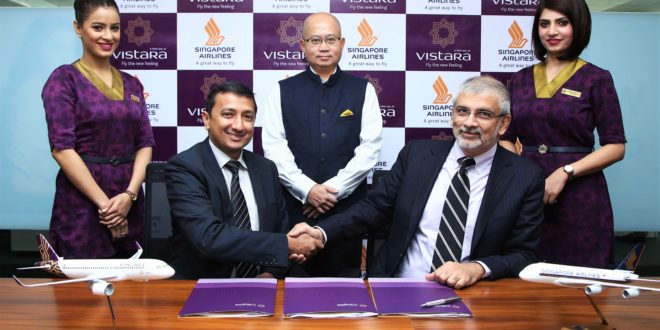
[484,115]
[317,41]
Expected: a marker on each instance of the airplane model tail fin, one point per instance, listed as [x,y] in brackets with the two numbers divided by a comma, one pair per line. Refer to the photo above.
[47,252]
[631,260]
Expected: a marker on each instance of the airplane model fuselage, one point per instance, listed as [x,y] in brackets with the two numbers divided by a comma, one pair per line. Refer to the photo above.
[591,279]
[118,269]
[98,272]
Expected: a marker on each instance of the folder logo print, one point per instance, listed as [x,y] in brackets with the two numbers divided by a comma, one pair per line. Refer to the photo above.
[443,95]
[142,25]
[518,39]
[367,33]
[212,29]
[346,113]
[290,31]
[443,33]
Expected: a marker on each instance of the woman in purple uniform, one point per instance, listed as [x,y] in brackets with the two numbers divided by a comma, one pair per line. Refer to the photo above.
[556,105]
[100,136]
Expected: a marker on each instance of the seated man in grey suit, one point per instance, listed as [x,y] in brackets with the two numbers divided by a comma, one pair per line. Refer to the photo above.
[228,214]
[459,210]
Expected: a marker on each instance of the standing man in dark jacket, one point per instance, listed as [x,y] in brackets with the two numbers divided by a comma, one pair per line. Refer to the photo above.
[322,128]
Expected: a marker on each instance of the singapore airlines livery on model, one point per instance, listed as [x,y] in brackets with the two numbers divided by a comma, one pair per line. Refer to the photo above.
[98,272]
[592,279]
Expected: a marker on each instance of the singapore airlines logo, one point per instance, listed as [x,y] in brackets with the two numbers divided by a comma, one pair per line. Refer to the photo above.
[212,29]
[209,82]
[443,95]
[518,39]
[139,38]
[374,82]
[443,33]
[367,33]
[290,25]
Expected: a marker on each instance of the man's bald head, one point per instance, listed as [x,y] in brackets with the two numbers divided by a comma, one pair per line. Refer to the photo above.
[320,18]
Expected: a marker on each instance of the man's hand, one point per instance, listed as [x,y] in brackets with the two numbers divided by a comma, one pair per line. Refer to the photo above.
[457,275]
[322,198]
[304,228]
[265,275]
[310,212]
[302,247]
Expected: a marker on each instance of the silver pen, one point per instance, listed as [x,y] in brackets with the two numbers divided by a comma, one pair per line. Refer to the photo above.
[440,302]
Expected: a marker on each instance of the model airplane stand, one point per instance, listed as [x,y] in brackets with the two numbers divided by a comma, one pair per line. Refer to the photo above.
[591,300]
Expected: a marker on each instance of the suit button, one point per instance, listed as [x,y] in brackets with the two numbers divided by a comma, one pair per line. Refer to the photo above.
[324,135]
[323,111]
[322,160]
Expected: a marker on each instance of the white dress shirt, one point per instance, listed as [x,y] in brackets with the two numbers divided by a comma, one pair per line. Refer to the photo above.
[418,259]
[243,181]
[347,179]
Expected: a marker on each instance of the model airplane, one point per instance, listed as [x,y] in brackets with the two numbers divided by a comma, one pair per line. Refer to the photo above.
[98,272]
[591,279]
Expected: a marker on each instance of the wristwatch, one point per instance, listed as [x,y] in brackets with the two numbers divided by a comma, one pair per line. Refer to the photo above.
[131,195]
[568,169]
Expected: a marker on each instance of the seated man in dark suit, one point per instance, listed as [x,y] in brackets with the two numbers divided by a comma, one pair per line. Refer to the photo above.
[459,210]
[228,214]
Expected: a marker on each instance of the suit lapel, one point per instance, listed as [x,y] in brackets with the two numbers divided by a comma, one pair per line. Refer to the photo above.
[430,167]
[215,172]
[498,180]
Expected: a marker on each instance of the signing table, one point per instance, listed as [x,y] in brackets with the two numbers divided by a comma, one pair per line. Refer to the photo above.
[502,304]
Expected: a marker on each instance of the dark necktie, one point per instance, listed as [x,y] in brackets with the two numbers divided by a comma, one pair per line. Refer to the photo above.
[241,216]
[449,243]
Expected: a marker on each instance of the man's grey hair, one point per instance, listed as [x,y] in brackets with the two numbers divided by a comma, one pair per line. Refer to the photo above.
[487,84]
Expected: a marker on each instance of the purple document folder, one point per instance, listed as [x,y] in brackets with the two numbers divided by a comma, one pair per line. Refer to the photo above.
[404,296]
[327,298]
[231,298]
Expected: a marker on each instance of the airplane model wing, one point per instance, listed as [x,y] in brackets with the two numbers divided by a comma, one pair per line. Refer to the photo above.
[75,280]
[35,267]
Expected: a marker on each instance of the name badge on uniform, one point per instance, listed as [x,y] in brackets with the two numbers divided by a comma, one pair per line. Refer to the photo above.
[135,98]
[571,92]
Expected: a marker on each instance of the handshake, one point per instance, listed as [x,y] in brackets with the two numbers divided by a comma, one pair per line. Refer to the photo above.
[304,241]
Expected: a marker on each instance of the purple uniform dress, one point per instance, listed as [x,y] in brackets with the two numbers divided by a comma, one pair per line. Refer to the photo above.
[81,117]
[578,230]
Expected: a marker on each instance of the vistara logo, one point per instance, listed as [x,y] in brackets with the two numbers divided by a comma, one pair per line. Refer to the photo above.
[209,82]
[290,31]
[518,39]
[132,31]
[367,33]
[443,33]
[443,95]
[212,29]
[374,82]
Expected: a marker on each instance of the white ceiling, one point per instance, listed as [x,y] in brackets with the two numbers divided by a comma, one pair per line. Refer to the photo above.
[594,5]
